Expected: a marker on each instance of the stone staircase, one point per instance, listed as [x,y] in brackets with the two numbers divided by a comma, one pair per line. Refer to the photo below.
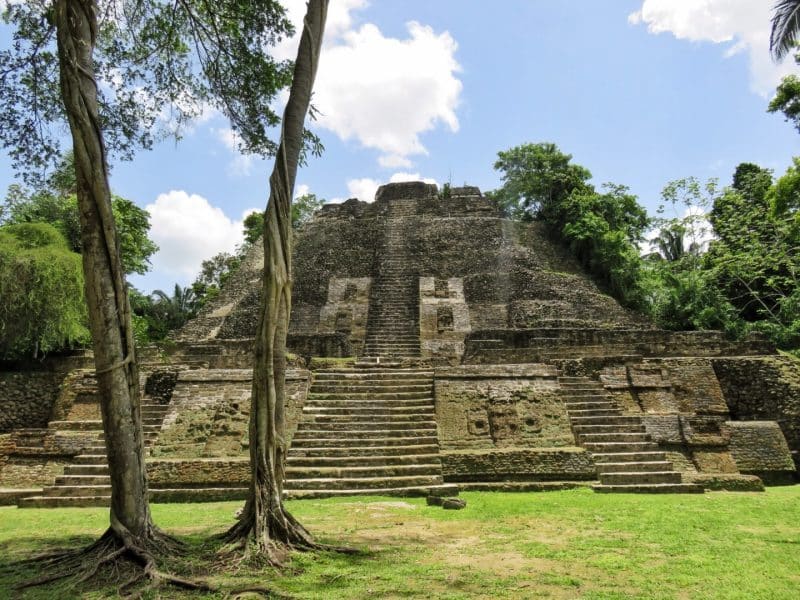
[393,320]
[627,459]
[366,431]
[86,481]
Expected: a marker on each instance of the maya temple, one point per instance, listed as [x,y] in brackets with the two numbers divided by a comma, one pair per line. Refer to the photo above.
[435,345]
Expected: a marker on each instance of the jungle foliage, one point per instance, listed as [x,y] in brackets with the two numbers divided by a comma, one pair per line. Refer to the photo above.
[41,291]
[727,258]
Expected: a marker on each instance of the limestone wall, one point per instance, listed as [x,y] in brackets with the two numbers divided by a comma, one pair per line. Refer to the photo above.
[209,413]
[27,398]
[494,346]
[764,388]
[443,319]
[759,448]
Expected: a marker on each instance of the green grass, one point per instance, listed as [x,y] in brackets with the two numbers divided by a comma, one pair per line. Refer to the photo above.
[572,544]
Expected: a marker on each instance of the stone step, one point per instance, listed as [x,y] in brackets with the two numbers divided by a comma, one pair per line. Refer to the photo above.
[362,483]
[295,472]
[82,480]
[608,412]
[609,447]
[421,404]
[341,388]
[394,374]
[350,435]
[596,405]
[635,467]
[410,447]
[613,437]
[64,501]
[417,395]
[78,490]
[204,494]
[647,478]
[622,457]
[369,412]
[348,427]
[372,383]
[369,418]
[605,420]
[377,441]
[624,428]
[85,425]
[362,461]
[576,392]
[89,459]
[656,488]
[87,469]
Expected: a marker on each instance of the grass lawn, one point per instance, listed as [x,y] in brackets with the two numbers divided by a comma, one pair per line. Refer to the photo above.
[572,544]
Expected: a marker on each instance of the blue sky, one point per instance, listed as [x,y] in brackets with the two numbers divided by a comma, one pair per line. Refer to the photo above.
[639,91]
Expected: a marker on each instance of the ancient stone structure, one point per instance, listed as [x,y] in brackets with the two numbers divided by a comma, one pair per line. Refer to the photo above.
[437,345]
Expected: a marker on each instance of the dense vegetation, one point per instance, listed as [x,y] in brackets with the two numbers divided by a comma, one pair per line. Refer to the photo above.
[41,291]
[726,259]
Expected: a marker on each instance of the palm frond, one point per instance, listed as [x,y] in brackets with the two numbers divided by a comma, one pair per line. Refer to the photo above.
[785,28]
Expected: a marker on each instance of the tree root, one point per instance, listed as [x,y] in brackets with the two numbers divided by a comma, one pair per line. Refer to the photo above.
[273,540]
[120,554]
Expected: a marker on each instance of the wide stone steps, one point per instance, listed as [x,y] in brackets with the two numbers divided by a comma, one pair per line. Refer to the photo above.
[367,430]
[374,443]
[384,394]
[629,457]
[627,460]
[636,467]
[352,451]
[364,461]
[344,403]
[602,428]
[362,483]
[362,472]
[411,419]
[341,427]
[328,388]
[636,478]
[618,437]
[86,480]
[82,480]
[374,375]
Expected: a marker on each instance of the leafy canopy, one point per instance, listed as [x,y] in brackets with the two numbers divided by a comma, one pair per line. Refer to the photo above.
[55,202]
[602,229]
[41,291]
[158,65]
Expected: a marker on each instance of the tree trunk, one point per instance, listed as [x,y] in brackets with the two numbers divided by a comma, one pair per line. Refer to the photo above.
[106,294]
[265,522]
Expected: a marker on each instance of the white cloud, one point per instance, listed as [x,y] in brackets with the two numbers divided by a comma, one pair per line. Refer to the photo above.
[380,91]
[339,20]
[393,161]
[241,164]
[400,177]
[363,189]
[385,92]
[744,25]
[188,230]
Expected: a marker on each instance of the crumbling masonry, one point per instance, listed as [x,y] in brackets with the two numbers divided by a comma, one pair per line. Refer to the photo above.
[437,345]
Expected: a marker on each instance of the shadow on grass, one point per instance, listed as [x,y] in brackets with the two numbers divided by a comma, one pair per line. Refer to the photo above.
[200,561]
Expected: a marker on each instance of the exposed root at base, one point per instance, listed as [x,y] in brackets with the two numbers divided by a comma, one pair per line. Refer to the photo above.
[122,555]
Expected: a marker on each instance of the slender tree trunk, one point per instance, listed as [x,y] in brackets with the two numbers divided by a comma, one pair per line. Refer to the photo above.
[265,521]
[106,294]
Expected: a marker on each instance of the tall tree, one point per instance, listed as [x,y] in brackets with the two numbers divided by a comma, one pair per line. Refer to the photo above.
[152,54]
[265,525]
